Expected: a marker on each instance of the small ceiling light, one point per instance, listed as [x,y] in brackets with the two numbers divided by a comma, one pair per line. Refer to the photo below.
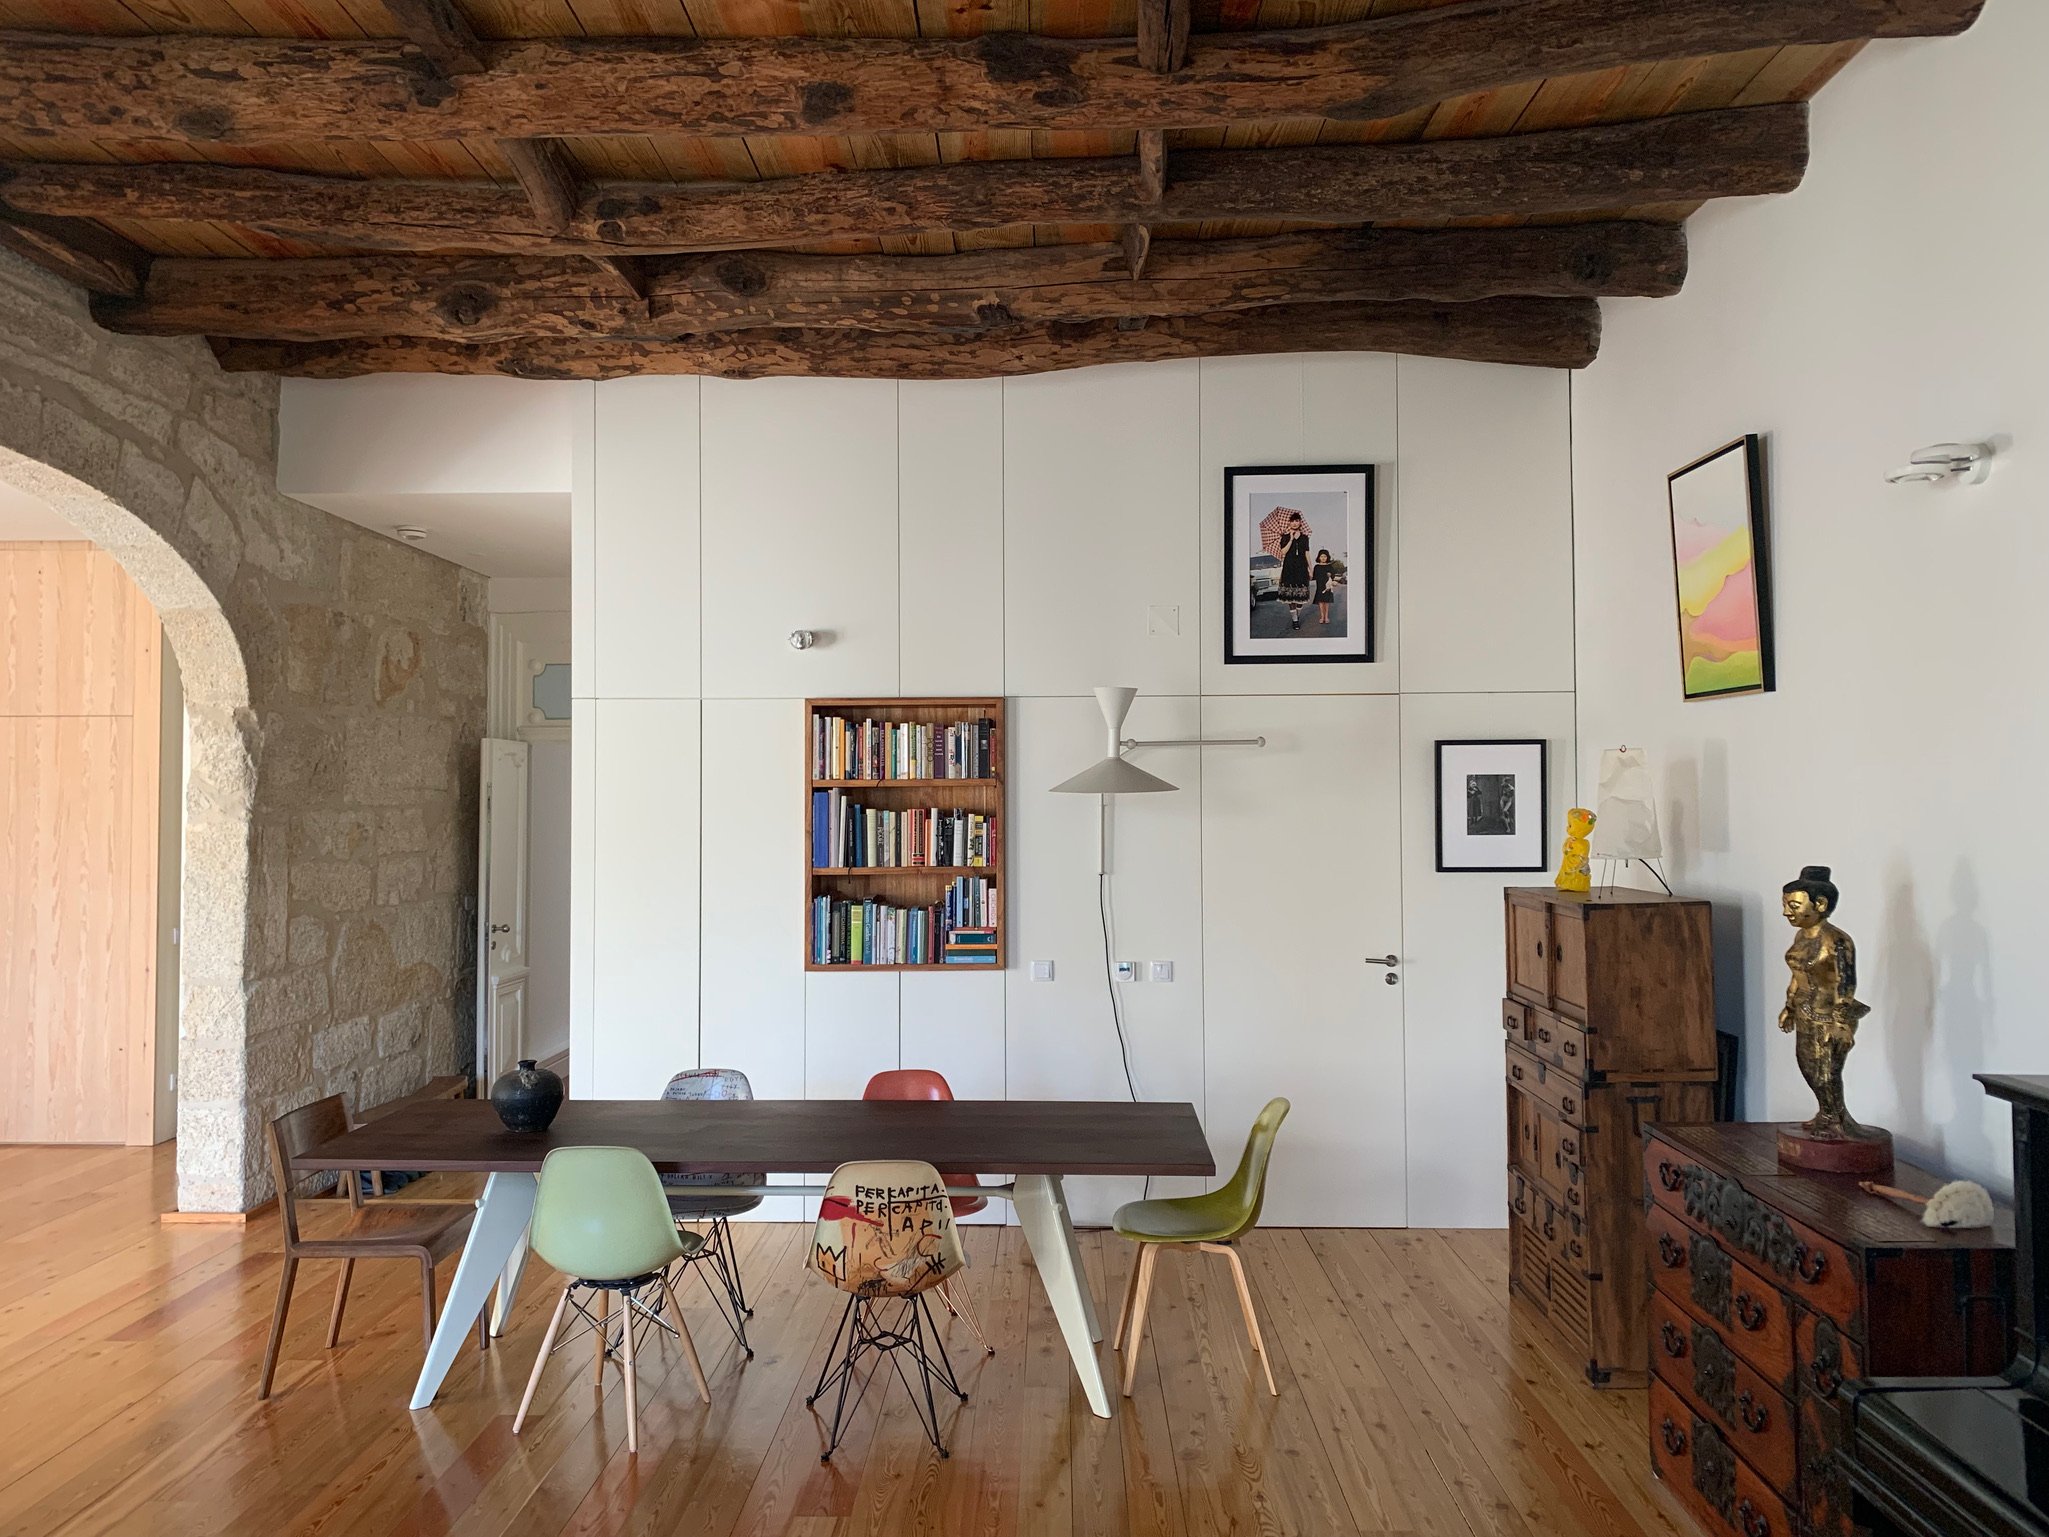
[1968,462]
[412,533]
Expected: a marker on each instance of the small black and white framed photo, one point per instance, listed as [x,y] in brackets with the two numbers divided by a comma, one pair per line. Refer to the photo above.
[1490,806]
[1298,563]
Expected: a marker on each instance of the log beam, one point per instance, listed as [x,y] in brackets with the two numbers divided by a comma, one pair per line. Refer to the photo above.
[484,299]
[1553,333]
[98,260]
[220,90]
[1739,151]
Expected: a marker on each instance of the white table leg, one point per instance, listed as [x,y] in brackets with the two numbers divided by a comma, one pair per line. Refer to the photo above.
[1042,1212]
[498,1228]
[508,1285]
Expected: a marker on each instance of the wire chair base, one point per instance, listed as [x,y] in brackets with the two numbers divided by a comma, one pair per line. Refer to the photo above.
[866,1331]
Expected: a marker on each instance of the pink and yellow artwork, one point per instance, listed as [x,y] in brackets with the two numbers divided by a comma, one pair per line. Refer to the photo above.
[1718,560]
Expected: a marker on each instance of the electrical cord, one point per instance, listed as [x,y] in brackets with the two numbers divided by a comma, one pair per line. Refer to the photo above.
[1116,1008]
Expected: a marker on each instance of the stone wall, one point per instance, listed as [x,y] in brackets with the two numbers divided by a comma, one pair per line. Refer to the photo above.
[335,688]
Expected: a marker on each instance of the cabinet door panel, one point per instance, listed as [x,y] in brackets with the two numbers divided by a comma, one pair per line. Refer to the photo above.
[1529,965]
[1569,961]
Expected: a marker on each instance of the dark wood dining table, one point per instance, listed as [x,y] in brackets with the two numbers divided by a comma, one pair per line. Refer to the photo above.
[1029,1146]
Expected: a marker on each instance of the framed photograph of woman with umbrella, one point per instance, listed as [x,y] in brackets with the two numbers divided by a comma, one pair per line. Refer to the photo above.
[1298,563]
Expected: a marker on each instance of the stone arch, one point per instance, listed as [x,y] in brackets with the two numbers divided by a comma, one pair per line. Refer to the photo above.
[214,1152]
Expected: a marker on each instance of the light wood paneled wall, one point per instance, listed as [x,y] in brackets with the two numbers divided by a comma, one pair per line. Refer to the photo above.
[80,700]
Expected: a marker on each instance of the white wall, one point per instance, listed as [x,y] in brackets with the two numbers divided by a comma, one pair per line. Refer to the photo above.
[1896,300]
[1035,538]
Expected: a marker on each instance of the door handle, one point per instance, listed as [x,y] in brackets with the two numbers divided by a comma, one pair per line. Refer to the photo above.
[1383,960]
[501,928]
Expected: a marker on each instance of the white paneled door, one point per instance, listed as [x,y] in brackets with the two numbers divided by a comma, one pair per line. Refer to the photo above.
[502,909]
[1302,907]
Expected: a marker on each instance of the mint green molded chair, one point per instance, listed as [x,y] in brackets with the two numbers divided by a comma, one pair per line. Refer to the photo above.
[1211,1223]
[601,1217]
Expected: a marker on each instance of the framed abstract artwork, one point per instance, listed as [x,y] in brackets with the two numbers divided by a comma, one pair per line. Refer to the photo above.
[1720,574]
[1490,805]
[1298,563]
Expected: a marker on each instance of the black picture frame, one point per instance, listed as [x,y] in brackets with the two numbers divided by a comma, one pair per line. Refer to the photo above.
[1540,832]
[1361,576]
[1751,446]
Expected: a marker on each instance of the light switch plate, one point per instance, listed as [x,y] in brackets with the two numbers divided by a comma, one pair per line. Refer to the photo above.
[1042,971]
[1162,971]
[1127,971]
[1163,619]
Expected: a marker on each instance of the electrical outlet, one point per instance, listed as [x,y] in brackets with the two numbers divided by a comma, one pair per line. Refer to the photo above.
[1162,971]
[1042,971]
[1127,971]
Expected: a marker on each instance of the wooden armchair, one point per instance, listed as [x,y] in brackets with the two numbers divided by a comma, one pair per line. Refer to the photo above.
[388,1229]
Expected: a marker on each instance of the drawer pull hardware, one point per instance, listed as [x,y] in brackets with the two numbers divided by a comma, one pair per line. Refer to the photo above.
[1668,1176]
[1571,1147]
[1750,1312]
[1515,1072]
[1540,949]
[1572,1048]
[1755,1414]
[1809,1264]
[1675,1438]
[1826,1378]
[1671,1253]
[1755,1522]
[1550,1220]
[1571,1105]
[1674,1341]
[1543,1035]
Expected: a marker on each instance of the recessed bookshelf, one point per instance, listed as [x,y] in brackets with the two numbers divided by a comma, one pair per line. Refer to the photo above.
[905,825]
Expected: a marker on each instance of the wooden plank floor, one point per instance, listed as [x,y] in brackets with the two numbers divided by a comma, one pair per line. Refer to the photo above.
[1413,1399]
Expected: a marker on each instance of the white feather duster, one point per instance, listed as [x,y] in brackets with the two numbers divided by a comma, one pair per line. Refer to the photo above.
[1959,1204]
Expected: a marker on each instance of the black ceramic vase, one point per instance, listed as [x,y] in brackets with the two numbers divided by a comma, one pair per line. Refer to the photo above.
[527,1098]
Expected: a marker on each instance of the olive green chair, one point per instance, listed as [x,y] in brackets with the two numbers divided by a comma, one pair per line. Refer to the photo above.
[601,1217]
[1210,1223]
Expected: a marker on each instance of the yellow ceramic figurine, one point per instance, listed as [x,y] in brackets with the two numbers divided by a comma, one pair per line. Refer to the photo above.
[1574,872]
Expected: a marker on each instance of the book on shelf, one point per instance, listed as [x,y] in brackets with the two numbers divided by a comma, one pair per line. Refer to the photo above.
[865,932]
[846,835]
[844,748]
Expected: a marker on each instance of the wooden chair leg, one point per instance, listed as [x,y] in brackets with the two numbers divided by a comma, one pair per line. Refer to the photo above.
[1245,1306]
[1148,1253]
[540,1361]
[964,1310]
[427,1303]
[689,1345]
[277,1323]
[1130,1291]
[632,1383]
[341,1300]
[604,1332]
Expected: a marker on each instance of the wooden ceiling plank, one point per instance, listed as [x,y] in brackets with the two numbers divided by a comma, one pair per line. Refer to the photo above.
[261,90]
[442,33]
[1554,333]
[1742,151]
[498,299]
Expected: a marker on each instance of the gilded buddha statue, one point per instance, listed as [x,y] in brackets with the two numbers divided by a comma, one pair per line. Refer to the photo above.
[1821,1015]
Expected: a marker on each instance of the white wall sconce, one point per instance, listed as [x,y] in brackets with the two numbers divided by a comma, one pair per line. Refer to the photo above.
[1969,463]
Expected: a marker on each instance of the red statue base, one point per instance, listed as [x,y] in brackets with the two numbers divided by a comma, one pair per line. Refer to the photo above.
[1866,1150]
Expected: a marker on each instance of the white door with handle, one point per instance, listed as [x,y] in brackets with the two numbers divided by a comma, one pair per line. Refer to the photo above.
[1302,931]
[501,909]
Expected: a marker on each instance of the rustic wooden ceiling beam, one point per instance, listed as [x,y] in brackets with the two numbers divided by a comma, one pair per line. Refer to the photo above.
[1554,333]
[271,90]
[78,251]
[1664,160]
[495,298]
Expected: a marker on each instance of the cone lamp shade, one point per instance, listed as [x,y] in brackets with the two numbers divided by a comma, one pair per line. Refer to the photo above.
[1113,775]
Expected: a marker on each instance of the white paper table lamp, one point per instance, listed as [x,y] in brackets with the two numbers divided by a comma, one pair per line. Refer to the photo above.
[1626,812]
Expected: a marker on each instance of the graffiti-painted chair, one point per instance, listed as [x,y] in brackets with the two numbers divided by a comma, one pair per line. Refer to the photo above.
[886,1238]
[924,1083]
[697,1198]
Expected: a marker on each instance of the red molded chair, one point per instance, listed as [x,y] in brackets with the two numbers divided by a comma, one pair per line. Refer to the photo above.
[923,1083]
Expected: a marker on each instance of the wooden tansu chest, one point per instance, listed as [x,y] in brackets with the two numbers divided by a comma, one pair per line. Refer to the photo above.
[1770,1287]
[1610,1025]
